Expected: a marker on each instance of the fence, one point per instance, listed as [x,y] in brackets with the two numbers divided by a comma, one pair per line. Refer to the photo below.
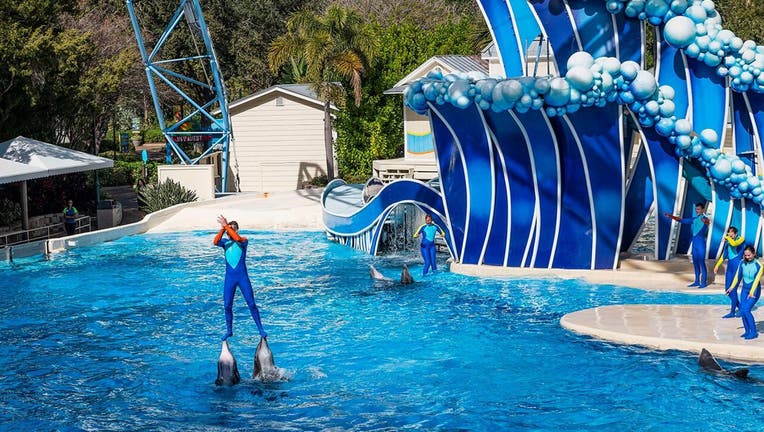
[42,232]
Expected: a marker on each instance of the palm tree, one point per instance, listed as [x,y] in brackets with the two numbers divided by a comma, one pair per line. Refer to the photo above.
[335,47]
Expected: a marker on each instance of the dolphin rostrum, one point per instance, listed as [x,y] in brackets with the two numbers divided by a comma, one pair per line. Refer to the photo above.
[406,276]
[709,363]
[265,369]
[228,372]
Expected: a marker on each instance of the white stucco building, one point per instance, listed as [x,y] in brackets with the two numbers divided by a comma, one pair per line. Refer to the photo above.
[278,140]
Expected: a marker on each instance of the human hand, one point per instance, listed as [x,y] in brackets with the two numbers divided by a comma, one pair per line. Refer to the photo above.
[716,269]
[222,220]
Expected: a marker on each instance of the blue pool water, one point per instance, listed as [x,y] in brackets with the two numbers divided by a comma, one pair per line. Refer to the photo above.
[125,336]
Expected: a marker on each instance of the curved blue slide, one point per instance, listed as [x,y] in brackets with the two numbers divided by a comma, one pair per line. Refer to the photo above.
[358,224]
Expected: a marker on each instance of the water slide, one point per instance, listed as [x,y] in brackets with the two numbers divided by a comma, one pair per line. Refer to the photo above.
[352,221]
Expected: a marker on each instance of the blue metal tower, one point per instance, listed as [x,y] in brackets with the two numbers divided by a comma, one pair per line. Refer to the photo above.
[169,72]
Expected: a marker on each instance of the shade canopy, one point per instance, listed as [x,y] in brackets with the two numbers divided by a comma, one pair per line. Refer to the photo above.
[24,159]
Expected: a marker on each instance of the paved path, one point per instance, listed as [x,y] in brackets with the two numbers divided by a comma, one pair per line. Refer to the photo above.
[129,200]
[294,210]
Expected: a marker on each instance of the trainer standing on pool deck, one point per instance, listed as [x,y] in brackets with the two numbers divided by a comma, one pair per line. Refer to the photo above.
[699,232]
[749,271]
[732,252]
[235,247]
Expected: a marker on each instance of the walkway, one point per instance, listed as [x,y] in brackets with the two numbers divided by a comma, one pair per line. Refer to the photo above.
[293,210]
[126,196]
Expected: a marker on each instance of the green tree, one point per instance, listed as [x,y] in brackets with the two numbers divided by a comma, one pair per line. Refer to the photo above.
[65,68]
[335,47]
[374,130]
[28,31]
[743,18]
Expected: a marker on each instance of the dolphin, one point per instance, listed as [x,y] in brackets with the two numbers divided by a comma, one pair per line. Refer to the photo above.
[377,275]
[228,372]
[265,369]
[406,276]
[709,363]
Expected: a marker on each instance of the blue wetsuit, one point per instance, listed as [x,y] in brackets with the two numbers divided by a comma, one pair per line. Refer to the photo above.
[699,232]
[236,275]
[427,247]
[732,251]
[750,273]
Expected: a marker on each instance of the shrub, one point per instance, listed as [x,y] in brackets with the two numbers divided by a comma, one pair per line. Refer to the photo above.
[321,181]
[126,173]
[154,197]
[119,175]
[10,212]
[153,135]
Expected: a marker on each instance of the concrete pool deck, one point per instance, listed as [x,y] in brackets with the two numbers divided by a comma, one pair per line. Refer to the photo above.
[662,327]
[295,210]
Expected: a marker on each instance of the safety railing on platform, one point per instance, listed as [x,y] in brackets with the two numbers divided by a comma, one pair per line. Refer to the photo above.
[43,232]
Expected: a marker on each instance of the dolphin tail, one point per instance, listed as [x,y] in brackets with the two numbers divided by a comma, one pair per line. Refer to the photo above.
[228,371]
[741,373]
[376,275]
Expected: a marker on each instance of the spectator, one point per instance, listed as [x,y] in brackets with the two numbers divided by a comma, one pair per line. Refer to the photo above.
[70,218]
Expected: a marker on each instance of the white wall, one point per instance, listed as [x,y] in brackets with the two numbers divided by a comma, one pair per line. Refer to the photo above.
[198,178]
[277,148]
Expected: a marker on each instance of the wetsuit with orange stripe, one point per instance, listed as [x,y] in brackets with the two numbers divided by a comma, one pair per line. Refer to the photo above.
[235,248]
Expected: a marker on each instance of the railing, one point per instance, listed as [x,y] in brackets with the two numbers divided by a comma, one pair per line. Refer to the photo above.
[44,232]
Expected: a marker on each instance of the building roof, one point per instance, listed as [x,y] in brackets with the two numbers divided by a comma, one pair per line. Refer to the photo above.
[300,91]
[24,159]
[447,64]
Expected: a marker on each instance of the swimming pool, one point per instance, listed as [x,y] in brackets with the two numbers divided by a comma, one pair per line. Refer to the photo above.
[125,336]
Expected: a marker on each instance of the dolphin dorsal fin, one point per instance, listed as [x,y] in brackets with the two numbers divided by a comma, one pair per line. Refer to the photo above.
[707,361]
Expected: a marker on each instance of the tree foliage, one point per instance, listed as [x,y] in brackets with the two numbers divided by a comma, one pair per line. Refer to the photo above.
[71,68]
[335,48]
[743,17]
[374,130]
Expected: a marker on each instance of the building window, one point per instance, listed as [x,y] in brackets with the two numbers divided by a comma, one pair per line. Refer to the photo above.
[279,101]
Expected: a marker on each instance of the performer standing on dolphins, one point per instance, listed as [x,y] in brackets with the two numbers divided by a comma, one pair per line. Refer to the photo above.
[733,253]
[235,247]
[427,232]
[699,232]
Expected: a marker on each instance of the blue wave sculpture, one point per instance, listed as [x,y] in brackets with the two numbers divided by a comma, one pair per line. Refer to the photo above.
[538,171]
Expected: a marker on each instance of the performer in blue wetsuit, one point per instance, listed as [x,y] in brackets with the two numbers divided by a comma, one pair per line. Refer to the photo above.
[749,271]
[427,232]
[732,251]
[699,231]
[235,273]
